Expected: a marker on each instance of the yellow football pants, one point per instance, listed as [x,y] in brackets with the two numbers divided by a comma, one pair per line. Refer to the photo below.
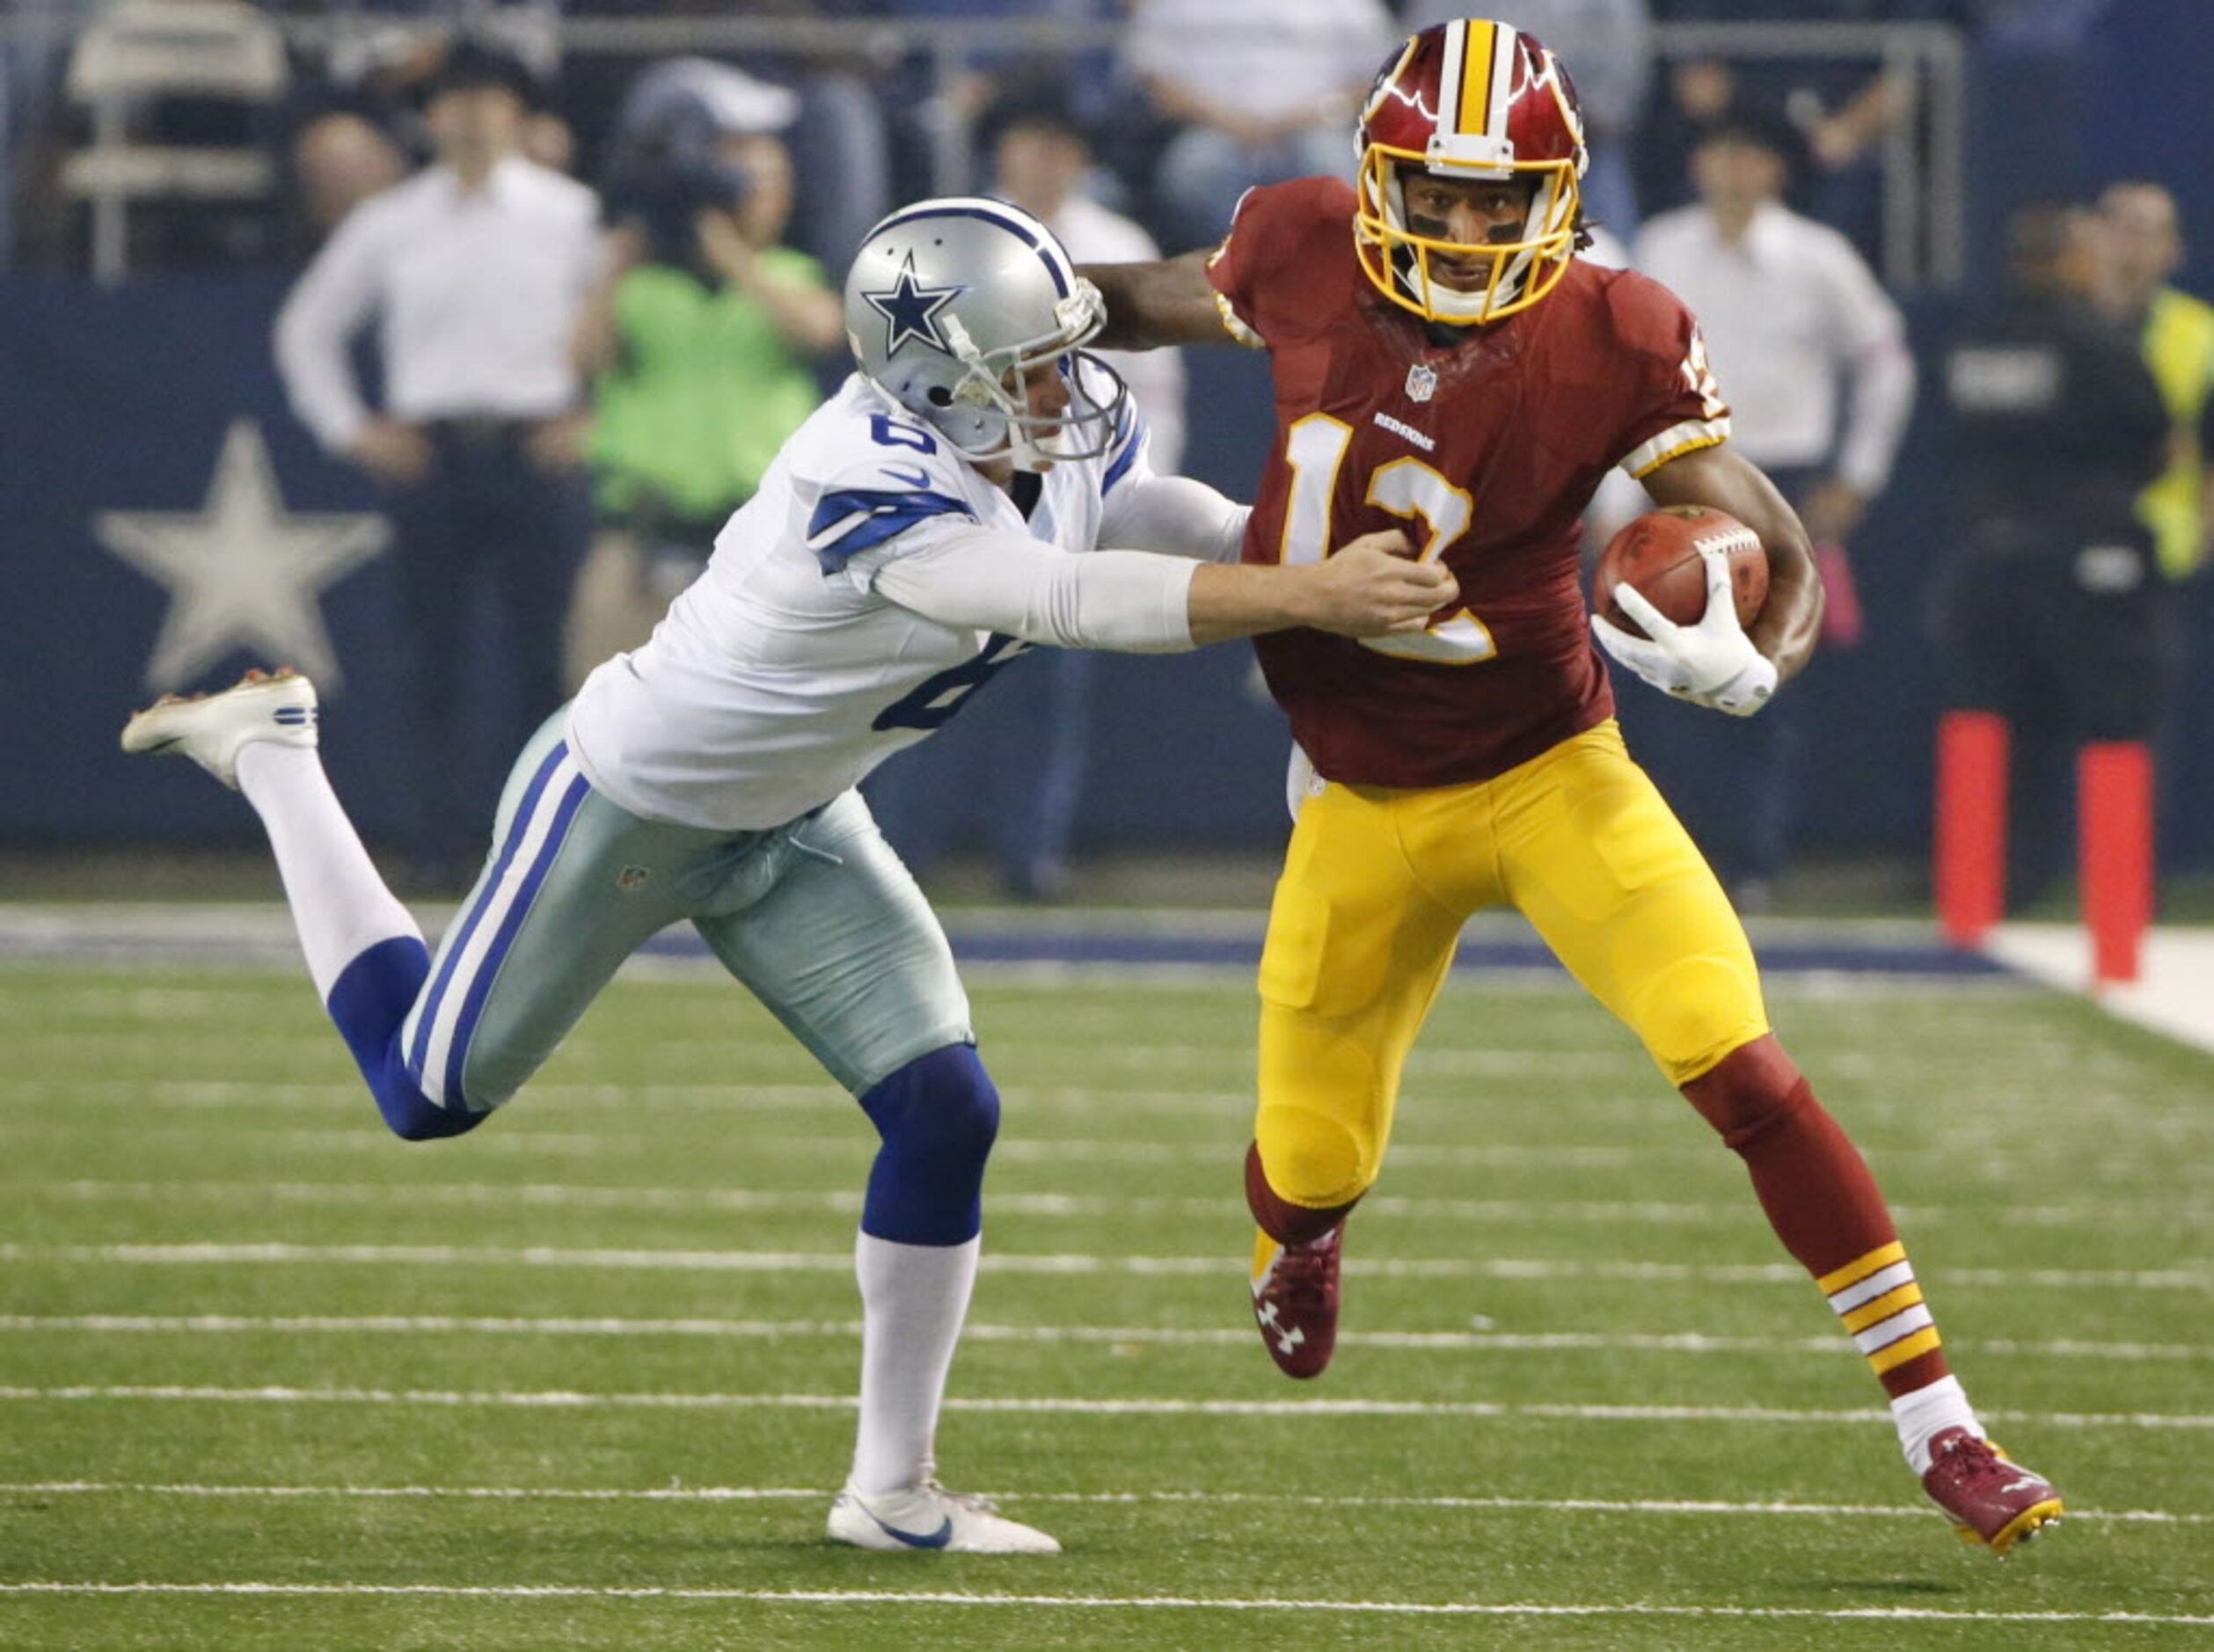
[1376,885]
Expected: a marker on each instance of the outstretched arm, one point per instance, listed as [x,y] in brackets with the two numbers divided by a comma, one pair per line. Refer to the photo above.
[1723,479]
[1164,303]
[1135,602]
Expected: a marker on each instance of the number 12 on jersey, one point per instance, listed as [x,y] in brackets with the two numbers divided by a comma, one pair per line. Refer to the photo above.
[1315,449]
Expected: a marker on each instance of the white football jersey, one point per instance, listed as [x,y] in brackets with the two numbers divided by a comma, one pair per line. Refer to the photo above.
[781,676]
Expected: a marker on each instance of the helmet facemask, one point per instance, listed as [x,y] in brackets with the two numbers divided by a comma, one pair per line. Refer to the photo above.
[984,409]
[1522,270]
[1474,102]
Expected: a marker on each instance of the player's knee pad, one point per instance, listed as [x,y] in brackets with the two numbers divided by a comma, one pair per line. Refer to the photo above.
[1698,1007]
[1753,1090]
[938,1116]
[1312,1158]
[408,1113]
[369,1003]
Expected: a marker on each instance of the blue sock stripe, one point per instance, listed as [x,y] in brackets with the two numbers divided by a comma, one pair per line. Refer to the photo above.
[485,973]
[517,830]
[369,1001]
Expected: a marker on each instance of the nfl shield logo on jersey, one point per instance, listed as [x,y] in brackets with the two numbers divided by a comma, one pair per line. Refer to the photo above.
[631,879]
[1422,383]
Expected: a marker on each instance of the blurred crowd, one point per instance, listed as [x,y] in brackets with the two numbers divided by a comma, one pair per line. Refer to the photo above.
[604,286]
[1186,102]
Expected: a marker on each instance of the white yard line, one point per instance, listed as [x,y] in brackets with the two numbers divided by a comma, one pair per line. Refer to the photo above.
[1183,1603]
[801,1493]
[502,1194]
[1202,1336]
[203,1253]
[566,1400]
[2033,1153]
[1623,1097]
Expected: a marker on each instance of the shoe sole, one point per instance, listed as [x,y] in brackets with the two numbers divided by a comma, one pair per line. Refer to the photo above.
[2025,1526]
[2015,1532]
[876,1537]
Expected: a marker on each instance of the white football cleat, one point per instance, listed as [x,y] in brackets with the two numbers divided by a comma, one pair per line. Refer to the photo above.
[930,1518]
[209,728]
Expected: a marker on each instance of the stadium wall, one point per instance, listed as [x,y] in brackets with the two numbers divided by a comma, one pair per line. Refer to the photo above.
[120,400]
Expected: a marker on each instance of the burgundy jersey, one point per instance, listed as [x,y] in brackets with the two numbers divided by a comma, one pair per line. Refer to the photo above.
[1483,449]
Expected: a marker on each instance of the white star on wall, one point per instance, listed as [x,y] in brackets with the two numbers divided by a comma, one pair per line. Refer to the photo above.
[243,572]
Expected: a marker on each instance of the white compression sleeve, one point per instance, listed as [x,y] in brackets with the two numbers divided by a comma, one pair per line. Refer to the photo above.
[1131,602]
[1174,514]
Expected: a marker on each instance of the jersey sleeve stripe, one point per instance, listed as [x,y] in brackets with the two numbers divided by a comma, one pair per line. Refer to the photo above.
[1235,326]
[850,520]
[1130,438]
[1674,443]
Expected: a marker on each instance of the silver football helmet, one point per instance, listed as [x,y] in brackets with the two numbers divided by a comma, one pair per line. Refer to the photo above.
[950,303]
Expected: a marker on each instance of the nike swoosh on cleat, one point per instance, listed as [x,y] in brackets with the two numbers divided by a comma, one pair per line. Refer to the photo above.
[937,1540]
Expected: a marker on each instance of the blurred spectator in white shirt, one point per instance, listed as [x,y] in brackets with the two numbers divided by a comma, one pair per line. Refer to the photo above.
[1261,90]
[474,271]
[1792,314]
[1811,355]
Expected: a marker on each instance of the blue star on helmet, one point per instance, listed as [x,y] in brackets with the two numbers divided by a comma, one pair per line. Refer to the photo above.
[910,310]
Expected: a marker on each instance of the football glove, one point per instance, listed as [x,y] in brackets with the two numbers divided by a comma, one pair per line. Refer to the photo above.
[1712,663]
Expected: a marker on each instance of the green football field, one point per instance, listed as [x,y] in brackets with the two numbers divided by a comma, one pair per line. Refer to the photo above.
[269,1378]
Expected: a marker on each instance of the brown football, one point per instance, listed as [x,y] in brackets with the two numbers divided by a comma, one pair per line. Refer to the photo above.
[1658,556]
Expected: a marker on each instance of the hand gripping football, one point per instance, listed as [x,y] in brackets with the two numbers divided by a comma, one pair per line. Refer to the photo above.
[1658,556]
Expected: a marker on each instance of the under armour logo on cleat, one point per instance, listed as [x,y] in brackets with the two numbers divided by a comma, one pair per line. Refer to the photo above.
[1290,1340]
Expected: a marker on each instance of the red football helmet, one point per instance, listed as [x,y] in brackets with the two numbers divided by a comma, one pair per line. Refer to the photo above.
[1480,100]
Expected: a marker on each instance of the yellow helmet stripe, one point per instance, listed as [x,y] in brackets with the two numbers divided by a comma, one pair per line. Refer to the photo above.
[1476,76]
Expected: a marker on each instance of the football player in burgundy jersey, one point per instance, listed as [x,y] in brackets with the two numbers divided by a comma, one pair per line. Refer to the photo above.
[1444,362]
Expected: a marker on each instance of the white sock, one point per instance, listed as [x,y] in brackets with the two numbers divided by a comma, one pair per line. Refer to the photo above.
[913,1300]
[340,905]
[1928,1412]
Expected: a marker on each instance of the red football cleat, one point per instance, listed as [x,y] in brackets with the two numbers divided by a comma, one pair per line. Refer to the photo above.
[1296,1300]
[1989,1500]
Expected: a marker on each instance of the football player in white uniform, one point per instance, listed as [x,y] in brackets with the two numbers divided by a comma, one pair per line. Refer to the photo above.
[936,517]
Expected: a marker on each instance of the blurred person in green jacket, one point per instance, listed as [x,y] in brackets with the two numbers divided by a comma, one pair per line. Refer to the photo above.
[701,342]
[2175,334]
[2174,331]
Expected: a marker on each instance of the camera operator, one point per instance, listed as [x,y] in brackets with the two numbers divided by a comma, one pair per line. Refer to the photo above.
[700,341]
